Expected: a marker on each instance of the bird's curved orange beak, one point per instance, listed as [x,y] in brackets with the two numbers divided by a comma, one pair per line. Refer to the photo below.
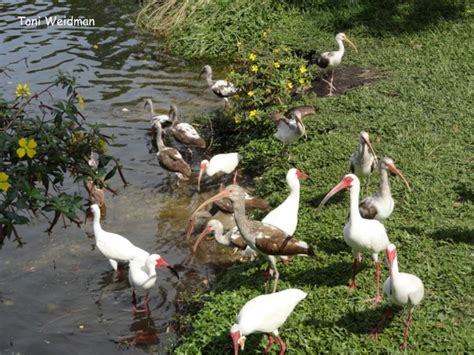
[202,168]
[391,254]
[301,175]
[345,183]
[224,193]
[397,172]
[350,42]
[367,141]
[201,236]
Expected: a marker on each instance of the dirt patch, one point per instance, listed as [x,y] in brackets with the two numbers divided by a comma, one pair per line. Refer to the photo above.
[346,78]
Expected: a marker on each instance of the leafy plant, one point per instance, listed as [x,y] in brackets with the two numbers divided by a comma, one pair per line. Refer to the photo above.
[43,146]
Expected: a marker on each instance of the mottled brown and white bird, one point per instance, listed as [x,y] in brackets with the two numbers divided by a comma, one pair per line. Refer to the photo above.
[401,289]
[142,274]
[380,205]
[184,132]
[220,88]
[265,314]
[362,235]
[219,164]
[290,126]
[261,237]
[328,61]
[164,120]
[364,160]
[251,202]
[170,158]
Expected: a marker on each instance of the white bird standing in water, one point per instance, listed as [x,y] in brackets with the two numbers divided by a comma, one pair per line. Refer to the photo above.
[330,60]
[362,235]
[219,164]
[220,88]
[142,274]
[401,289]
[265,314]
[113,246]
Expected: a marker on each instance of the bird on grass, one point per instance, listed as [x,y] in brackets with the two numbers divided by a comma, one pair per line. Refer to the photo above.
[401,289]
[364,160]
[220,88]
[328,61]
[290,126]
[265,314]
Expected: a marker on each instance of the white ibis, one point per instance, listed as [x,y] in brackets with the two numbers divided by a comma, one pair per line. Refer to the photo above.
[113,246]
[164,120]
[290,125]
[184,132]
[401,289]
[261,237]
[330,60]
[220,88]
[170,158]
[142,274]
[219,164]
[380,205]
[364,160]
[265,314]
[231,239]
[362,235]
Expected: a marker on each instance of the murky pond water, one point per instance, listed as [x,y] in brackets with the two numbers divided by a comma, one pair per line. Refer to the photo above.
[57,294]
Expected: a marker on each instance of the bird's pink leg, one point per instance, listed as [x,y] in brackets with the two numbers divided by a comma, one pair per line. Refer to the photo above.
[235,176]
[388,313]
[407,331]
[377,298]
[282,345]
[146,302]
[270,343]
[354,271]
[331,86]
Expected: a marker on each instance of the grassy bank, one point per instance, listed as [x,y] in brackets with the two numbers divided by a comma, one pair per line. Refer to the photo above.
[420,114]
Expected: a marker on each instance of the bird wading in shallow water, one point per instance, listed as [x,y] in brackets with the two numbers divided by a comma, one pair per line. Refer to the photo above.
[164,120]
[265,314]
[219,164]
[328,61]
[380,205]
[142,274]
[220,88]
[184,132]
[261,237]
[364,160]
[401,289]
[362,235]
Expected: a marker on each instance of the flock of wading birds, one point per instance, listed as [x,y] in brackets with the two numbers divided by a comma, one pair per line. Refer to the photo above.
[272,237]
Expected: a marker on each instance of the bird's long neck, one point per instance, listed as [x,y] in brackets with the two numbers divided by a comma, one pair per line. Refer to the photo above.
[340,46]
[173,116]
[354,207]
[152,110]
[294,196]
[394,273]
[384,186]
[241,219]
[363,150]
[220,237]
[159,138]
[96,224]
[209,78]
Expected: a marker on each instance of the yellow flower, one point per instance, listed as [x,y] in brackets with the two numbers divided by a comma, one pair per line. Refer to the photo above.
[303,69]
[254,68]
[289,85]
[276,50]
[103,146]
[252,57]
[301,81]
[22,90]
[253,113]
[80,99]
[276,65]
[237,119]
[250,93]
[4,184]
[264,34]
[27,146]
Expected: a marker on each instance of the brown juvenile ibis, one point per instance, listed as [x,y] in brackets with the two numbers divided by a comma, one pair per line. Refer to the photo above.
[170,158]
[164,120]
[328,61]
[261,237]
[380,205]
[362,235]
[184,132]
[220,88]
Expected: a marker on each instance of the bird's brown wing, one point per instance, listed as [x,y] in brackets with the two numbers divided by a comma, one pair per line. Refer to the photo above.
[171,159]
[238,241]
[273,241]
[224,205]
[257,203]
[366,209]
[301,111]
[183,138]
[278,117]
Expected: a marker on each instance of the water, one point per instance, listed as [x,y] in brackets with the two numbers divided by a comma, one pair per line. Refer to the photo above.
[58,294]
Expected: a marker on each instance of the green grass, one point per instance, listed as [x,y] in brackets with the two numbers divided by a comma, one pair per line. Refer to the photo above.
[421,115]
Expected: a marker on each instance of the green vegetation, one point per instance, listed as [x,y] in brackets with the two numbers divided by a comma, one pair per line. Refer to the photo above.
[42,145]
[420,115]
